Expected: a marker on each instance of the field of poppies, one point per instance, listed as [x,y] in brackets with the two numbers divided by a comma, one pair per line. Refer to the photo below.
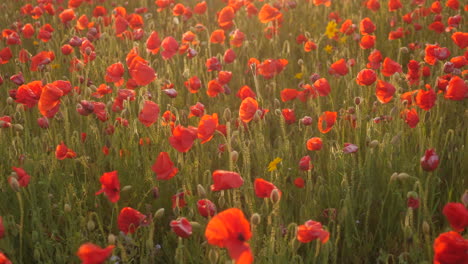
[243,131]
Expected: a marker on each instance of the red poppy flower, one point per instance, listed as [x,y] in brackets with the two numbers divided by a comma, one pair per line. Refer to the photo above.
[366,77]
[229,56]
[326,3]
[289,116]
[67,15]
[411,117]
[456,89]
[310,231]
[367,41]
[434,53]
[350,148]
[450,248]
[225,17]
[27,31]
[206,127]
[197,110]
[375,59]
[236,38]
[63,152]
[45,33]
[110,186]
[224,77]
[4,259]
[366,26]
[153,43]
[268,13]
[329,118]
[49,101]
[214,88]
[163,167]
[206,208]
[384,91]
[453,4]
[213,64]
[149,113]
[200,8]
[41,59]
[247,109]
[270,68]
[141,72]
[130,219]
[170,48]
[390,67]
[230,229]
[224,180]
[22,177]
[457,215]
[339,68]
[193,84]
[178,200]
[394,5]
[93,254]
[245,91]
[322,87]
[412,202]
[309,46]
[426,99]
[288,94]
[305,163]
[182,138]
[437,27]
[181,227]
[217,36]
[264,188]
[314,144]
[460,39]
[299,182]
[5,55]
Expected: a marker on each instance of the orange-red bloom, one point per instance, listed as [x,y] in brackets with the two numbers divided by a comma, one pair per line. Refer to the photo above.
[153,43]
[217,36]
[390,67]
[207,127]
[49,101]
[63,152]
[182,138]
[460,39]
[456,89]
[110,186]
[268,13]
[310,231]
[339,68]
[314,144]
[225,17]
[457,215]
[170,48]
[230,229]
[384,91]
[329,118]
[366,77]
[411,117]
[181,227]
[450,248]
[130,219]
[247,109]
[92,254]
[163,167]
[224,180]
[264,188]
[149,113]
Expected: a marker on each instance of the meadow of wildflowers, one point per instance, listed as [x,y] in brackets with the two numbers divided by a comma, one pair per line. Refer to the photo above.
[234,131]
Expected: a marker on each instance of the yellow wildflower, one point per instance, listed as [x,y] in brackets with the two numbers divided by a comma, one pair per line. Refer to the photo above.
[274,163]
[328,49]
[331,29]
[343,39]
[298,75]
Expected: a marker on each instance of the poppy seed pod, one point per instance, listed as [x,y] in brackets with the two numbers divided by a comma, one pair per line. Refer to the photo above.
[90,225]
[213,256]
[255,219]
[201,191]
[159,213]
[111,239]
[126,188]
[403,175]
[275,196]
[464,198]
[227,114]
[374,143]
[394,176]
[234,155]
[14,184]
[10,100]
[426,228]
[67,208]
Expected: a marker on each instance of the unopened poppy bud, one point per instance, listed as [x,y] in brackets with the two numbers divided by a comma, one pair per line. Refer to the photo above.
[394,111]
[159,213]
[201,191]
[300,62]
[306,120]
[403,176]
[221,201]
[175,20]
[213,255]
[351,110]
[314,77]
[464,198]
[186,73]
[195,224]
[234,155]
[257,116]
[111,239]
[394,176]
[404,50]
[426,228]
[67,208]
[90,225]
[227,114]
[275,196]
[412,194]
[255,219]
[357,100]
[10,100]
[344,184]
[18,127]
[176,210]
[374,143]
[14,184]
[276,103]
[126,188]
[155,193]
[449,67]
[395,140]
[278,112]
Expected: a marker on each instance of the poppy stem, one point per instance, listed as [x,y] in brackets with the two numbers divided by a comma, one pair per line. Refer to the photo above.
[20,201]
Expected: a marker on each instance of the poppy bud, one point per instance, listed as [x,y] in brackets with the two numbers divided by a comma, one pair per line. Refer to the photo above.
[195,224]
[426,228]
[126,188]
[227,114]
[395,140]
[18,127]
[155,193]
[404,50]
[10,100]
[300,62]
[430,160]
[14,184]
[276,103]
[90,225]
[67,208]
[275,196]
[394,177]
[357,100]
[111,239]
[255,219]
[43,122]
[464,198]
[213,256]
[306,120]
[159,213]
[449,67]
[314,77]
[374,143]
[186,73]
[201,191]
[278,112]
[403,176]
[234,155]
[181,227]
